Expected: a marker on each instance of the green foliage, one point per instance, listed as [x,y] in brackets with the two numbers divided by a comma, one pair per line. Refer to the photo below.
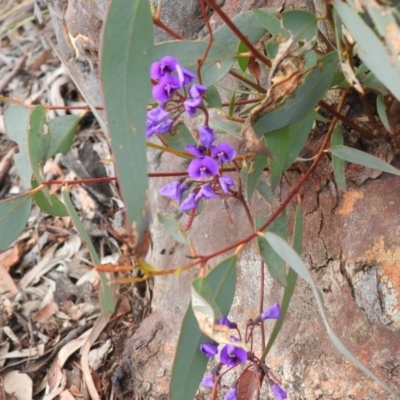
[126,54]
[190,364]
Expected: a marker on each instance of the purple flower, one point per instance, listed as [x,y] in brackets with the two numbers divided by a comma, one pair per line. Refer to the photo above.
[185,76]
[274,312]
[158,121]
[206,192]
[232,355]
[225,321]
[208,381]
[202,168]
[174,190]
[225,182]
[231,394]
[197,90]
[197,151]
[209,349]
[191,106]
[163,90]
[163,67]
[278,392]
[189,203]
[207,136]
[223,152]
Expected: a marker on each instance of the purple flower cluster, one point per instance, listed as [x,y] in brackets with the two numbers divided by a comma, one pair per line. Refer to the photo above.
[232,356]
[169,78]
[204,170]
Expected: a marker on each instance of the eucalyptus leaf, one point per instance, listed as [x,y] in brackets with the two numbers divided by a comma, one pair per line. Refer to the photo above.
[338,163]
[16,122]
[107,299]
[380,106]
[260,162]
[126,56]
[62,131]
[304,99]
[178,138]
[213,98]
[291,281]
[290,256]
[14,214]
[359,157]
[369,47]
[172,226]
[286,144]
[51,205]
[243,62]
[276,266]
[38,141]
[226,126]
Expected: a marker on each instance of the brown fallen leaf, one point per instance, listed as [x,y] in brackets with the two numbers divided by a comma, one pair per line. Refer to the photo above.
[18,384]
[7,285]
[11,256]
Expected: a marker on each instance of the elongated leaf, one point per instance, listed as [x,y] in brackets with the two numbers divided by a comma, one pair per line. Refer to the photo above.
[62,132]
[265,191]
[232,103]
[243,62]
[359,157]
[190,364]
[291,282]
[226,126]
[38,141]
[286,144]
[16,122]
[213,98]
[304,99]
[293,259]
[253,177]
[276,266]
[270,18]
[107,299]
[126,56]
[338,163]
[369,47]
[171,225]
[52,205]
[14,214]
[380,106]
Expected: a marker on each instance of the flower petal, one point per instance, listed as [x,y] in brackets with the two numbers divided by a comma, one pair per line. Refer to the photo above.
[208,381]
[206,192]
[273,312]
[278,392]
[191,106]
[225,182]
[189,203]
[164,89]
[207,136]
[197,151]
[197,90]
[173,190]
[223,152]
[231,394]
[203,168]
[209,349]
[163,67]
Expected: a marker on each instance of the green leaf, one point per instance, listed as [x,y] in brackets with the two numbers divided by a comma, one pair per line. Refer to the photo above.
[38,141]
[226,126]
[190,364]
[62,132]
[290,256]
[203,301]
[172,226]
[14,214]
[338,163]
[301,24]
[286,144]
[270,18]
[380,105]
[51,205]
[126,55]
[304,99]
[243,62]
[178,139]
[291,282]
[107,299]
[213,98]
[370,48]
[276,266]
[359,157]
[265,191]
[253,177]
[16,122]
[232,104]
